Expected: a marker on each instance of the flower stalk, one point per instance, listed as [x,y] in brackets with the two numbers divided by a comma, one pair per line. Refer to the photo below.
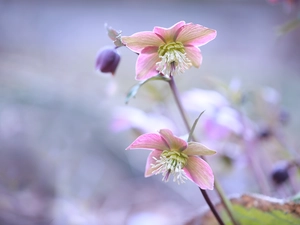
[226,203]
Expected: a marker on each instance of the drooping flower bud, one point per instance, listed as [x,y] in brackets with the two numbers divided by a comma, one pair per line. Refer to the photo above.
[264,133]
[280,173]
[107,60]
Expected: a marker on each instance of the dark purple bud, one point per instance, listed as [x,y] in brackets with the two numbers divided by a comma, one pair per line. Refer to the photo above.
[264,133]
[107,60]
[280,173]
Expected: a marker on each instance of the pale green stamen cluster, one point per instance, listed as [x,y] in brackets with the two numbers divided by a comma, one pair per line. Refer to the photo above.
[173,59]
[171,162]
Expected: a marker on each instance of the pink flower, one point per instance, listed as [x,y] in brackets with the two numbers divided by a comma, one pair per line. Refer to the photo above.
[173,155]
[168,50]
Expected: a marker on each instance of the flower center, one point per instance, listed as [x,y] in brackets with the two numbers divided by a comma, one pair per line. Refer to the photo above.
[173,59]
[171,162]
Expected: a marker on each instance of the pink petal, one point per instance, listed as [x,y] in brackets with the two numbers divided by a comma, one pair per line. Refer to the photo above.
[169,34]
[149,141]
[175,143]
[195,148]
[194,54]
[156,154]
[138,41]
[195,34]
[146,63]
[198,171]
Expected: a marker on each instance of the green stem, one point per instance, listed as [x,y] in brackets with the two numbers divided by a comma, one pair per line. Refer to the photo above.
[211,206]
[226,203]
[206,197]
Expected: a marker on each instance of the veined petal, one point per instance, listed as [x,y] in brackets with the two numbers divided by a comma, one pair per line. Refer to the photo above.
[146,63]
[195,34]
[175,143]
[149,141]
[194,54]
[198,171]
[156,154]
[195,148]
[138,41]
[169,34]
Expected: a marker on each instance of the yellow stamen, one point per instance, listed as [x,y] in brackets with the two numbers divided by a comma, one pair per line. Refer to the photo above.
[171,162]
[173,59]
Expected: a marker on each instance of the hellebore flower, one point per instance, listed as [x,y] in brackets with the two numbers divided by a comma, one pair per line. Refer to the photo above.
[168,51]
[107,60]
[173,155]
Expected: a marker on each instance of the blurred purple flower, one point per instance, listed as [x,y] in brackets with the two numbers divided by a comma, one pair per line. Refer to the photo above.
[200,99]
[289,2]
[219,118]
[173,155]
[125,118]
[107,60]
[288,5]
[223,122]
[271,95]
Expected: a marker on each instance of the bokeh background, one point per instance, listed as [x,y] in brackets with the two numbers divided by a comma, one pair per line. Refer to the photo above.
[60,161]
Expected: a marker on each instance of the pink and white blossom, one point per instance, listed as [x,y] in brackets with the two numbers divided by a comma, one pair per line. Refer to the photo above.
[173,155]
[168,51]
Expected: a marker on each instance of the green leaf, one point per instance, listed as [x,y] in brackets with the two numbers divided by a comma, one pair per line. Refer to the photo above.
[133,91]
[250,209]
[194,126]
[289,26]
[296,198]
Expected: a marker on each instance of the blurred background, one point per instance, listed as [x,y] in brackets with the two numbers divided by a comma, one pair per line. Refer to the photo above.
[62,158]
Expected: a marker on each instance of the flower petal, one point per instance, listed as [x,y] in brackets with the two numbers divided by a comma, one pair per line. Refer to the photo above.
[195,34]
[194,54]
[195,148]
[198,171]
[149,141]
[149,170]
[169,34]
[175,143]
[146,63]
[138,41]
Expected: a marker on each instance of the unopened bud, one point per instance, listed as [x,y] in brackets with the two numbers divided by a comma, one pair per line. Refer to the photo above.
[264,133]
[107,60]
[280,173]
